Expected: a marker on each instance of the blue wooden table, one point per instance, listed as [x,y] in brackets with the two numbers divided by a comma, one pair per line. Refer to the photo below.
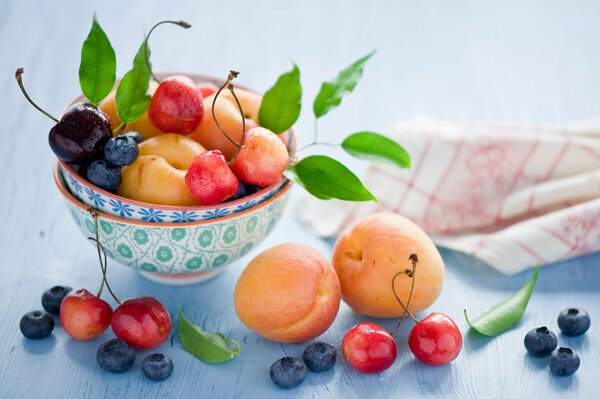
[509,62]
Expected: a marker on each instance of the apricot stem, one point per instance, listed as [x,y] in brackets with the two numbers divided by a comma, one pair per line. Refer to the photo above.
[103,264]
[232,75]
[18,76]
[410,273]
[183,24]
[237,101]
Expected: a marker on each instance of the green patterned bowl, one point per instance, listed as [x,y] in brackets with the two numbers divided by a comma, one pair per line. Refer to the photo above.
[179,253]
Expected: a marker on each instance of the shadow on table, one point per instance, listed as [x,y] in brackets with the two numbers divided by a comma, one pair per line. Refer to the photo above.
[39,346]
[579,274]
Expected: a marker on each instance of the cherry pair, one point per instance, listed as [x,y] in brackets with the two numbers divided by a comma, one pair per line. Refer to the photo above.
[435,340]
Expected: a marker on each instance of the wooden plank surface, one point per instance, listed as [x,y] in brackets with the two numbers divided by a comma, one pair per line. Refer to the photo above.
[504,62]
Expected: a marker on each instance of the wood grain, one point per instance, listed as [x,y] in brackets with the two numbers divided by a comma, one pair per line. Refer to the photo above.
[504,62]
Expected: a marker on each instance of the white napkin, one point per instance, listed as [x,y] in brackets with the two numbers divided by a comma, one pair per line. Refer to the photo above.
[512,197]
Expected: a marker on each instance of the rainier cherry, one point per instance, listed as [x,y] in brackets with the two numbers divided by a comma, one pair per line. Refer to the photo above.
[83,315]
[143,323]
[176,106]
[262,159]
[209,178]
[206,89]
[369,348]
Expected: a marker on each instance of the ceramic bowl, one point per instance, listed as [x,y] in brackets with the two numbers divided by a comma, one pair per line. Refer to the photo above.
[179,253]
[116,205]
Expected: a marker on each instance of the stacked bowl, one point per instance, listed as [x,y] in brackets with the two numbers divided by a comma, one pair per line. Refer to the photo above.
[172,244]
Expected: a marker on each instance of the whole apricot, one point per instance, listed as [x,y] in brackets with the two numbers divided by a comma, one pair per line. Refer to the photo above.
[369,254]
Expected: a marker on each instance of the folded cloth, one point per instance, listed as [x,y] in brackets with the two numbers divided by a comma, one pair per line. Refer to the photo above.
[513,197]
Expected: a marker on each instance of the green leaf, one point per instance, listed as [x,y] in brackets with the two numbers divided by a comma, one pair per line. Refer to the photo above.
[376,148]
[208,347]
[98,68]
[132,99]
[504,315]
[326,178]
[331,93]
[280,106]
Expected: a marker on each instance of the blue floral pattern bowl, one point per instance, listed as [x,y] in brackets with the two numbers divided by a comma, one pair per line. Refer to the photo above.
[115,205]
[178,251]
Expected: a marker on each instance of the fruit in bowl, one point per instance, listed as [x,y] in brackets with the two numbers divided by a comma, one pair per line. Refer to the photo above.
[182,252]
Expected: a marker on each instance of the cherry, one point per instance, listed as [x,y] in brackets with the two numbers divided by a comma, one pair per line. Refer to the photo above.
[176,106]
[435,340]
[206,89]
[209,178]
[83,315]
[143,322]
[262,158]
[369,348]
[81,133]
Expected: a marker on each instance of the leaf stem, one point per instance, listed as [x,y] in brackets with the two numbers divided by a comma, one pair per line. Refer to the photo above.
[232,75]
[183,24]
[19,77]
[119,128]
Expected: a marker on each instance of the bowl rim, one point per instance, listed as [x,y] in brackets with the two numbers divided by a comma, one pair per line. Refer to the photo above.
[67,195]
[196,78]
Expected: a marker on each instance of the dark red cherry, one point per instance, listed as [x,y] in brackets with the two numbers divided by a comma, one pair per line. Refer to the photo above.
[80,135]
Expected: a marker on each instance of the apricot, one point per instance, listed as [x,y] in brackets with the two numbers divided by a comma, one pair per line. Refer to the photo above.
[228,115]
[262,159]
[143,125]
[368,255]
[158,174]
[288,293]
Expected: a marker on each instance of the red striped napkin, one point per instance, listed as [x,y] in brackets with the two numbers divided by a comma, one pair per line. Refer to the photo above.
[512,197]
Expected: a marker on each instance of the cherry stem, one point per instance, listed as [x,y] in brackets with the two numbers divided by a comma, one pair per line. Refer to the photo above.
[237,101]
[103,262]
[183,24]
[19,77]
[410,273]
[232,75]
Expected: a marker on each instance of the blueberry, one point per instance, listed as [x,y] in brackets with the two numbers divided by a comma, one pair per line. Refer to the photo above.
[319,356]
[135,135]
[157,367]
[121,150]
[52,298]
[104,175]
[115,356]
[288,372]
[241,192]
[540,341]
[250,189]
[563,361]
[574,321]
[37,324]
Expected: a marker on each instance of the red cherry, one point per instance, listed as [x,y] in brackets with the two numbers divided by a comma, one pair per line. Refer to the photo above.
[207,89]
[209,178]
[83,315]
[143,323]
[369,348]
[262,159]
[435,340]
[176,106]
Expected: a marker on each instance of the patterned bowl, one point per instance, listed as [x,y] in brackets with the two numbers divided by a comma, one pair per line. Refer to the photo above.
[116,205]
[179,253]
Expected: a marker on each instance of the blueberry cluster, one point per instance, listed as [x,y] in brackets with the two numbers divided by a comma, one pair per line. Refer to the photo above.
[39,324]
[543,342]
[289,372]
[117,356]
[118,151]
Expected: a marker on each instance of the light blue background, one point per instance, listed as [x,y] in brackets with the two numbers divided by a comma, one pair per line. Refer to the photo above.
[509,62]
